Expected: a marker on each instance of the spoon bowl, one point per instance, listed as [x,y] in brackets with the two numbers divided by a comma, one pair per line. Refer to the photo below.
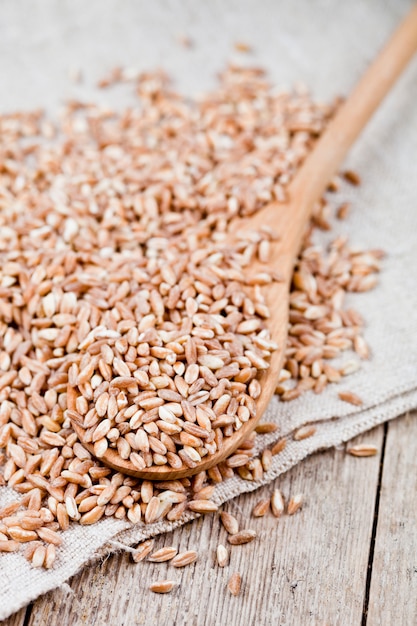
[277,300]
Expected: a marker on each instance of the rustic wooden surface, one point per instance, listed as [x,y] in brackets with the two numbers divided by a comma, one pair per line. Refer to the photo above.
[393,590]
[349,557]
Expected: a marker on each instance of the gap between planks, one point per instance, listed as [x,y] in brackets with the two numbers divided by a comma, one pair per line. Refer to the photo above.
[393,588]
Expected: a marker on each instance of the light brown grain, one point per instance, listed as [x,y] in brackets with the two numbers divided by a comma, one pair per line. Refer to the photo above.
[362,450]
[295,503]
[352,398]
[222,555]
[234,584]
[230,522]
[243,536]
[184,558]
[163,554]
[162,586]
[261,508]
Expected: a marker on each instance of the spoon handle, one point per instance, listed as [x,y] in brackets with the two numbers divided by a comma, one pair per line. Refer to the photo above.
[330,150]
[312,179]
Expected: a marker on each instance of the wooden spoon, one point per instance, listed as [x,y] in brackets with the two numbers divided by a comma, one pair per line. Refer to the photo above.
[291,219]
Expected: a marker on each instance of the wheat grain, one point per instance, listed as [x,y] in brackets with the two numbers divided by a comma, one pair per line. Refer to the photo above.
[222,555]
[50,556]
[362,450]
[202,506]
[266,427]
[9,545]
[261,508]
[163,554]
[343,211]
[294,504]
[184,558]
[38,557]
[266,459]
[49,536]
[241,46]
[243,536]
[162,586]
[278,446]
[22,536]
[234,584]
[304,432]
[349,396]
[277,503]
[352,177]
[229,522]
[142,550]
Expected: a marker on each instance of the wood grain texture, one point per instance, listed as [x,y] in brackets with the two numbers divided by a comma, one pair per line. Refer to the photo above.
[301,570]
[393,592]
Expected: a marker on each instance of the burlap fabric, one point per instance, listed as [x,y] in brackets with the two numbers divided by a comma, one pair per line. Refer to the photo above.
[323,43]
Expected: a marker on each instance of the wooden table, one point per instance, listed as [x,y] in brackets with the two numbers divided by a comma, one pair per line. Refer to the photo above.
[349,557]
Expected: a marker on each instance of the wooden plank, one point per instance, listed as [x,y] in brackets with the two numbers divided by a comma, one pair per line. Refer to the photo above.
[306,569]
[393,591]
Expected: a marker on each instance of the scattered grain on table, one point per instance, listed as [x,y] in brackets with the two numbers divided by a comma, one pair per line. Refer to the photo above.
[234,584]
[162,586]
[242,537]
[362,450]
[295,503]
